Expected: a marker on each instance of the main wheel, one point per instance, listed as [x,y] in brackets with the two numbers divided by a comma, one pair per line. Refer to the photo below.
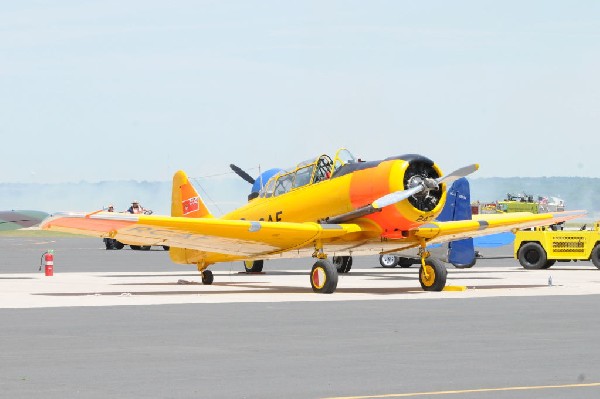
[166,247]
[405,262]
[388,261]
[343,264]
[145,247]
[207,277]
[118,245]
[253,266]
[109,243]
[595,256]
[532,256]
[135,247]
[435,280]
[323,277]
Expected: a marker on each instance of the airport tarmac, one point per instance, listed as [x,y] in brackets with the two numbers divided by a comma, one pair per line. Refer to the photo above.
[131,324]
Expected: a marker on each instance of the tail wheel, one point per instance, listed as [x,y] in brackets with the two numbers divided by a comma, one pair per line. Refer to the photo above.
[433,276]
[465,266]
[405,262]
[387,260]
[253,266]
[207,277]
[323,277]
[343,264]
[595,257]
[532,256]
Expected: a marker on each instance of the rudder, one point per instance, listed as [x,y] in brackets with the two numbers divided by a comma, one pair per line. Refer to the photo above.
[185,200]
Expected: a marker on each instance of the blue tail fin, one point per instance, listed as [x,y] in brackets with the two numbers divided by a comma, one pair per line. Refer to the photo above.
[461,253]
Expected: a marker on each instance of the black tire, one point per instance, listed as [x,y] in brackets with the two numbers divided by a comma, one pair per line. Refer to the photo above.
[532,256]
[388,261]
[166,247]
[207,277]
[405,262]
[595,256]
[549,264]
[119,245]
[253,266]
[343,264]
[436,275]
[323,277]
[145,247]
[109,243]
[135,247]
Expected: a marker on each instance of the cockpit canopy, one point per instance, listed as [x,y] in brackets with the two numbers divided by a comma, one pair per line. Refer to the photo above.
[308,172]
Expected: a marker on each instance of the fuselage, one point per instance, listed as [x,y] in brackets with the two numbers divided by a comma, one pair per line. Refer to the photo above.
[348,188]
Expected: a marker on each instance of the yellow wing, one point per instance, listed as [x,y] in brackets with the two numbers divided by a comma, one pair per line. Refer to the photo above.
[231,239]
[209,240]
[481,225]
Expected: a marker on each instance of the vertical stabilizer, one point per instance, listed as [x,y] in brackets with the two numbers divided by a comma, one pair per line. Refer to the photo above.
[185,200]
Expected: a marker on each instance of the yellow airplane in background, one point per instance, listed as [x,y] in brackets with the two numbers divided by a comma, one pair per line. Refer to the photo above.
[336,206]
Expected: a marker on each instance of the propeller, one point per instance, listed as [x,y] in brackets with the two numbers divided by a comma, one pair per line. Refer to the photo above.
[241,173]
[420,184]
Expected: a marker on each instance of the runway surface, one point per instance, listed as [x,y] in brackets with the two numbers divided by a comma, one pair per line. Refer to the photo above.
[130,324]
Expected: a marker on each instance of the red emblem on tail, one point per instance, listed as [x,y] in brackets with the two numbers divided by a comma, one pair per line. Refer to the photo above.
[191,205]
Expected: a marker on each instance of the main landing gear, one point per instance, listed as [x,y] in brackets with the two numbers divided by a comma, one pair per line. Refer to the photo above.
[323,277]
[253,266]
[432,273]
[207,275]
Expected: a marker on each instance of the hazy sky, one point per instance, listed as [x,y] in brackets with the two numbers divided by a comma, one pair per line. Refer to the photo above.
[105,90]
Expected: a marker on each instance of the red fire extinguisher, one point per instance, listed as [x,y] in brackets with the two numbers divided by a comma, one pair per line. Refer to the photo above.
[48,261]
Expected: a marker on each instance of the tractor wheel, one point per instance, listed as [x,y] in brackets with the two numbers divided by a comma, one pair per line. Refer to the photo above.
[405,262]
[549,264]
[388,261]
[435,280]
[323,277]
[532,256]
[595,257]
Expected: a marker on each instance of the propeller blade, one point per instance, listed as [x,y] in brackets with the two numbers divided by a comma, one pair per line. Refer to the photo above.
[240,172]
[426,184]
[396,196]
[458,173]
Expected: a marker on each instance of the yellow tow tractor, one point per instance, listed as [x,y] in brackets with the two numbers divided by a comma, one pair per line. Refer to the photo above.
[541,247]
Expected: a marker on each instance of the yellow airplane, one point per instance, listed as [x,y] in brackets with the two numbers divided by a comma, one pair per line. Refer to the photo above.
[339,206]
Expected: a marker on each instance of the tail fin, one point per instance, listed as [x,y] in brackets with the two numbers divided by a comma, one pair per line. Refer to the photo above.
[185,200]
[461,253]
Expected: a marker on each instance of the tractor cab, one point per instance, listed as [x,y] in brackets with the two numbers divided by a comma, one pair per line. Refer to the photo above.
[305,173]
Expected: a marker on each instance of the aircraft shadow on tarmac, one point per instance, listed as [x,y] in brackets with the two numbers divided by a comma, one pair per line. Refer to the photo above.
[17,278]
[255,287]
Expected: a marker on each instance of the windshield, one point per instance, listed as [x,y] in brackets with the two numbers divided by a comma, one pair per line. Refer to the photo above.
[307,172]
